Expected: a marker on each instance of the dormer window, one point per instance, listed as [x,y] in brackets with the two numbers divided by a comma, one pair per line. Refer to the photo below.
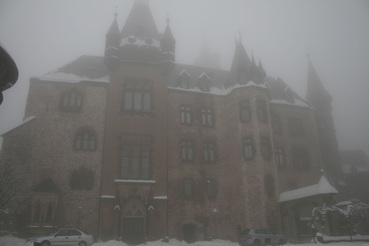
[204,82]
[71,101]
[183,80]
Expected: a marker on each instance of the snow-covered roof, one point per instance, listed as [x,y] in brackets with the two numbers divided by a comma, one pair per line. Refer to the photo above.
[84,68]
[322,187]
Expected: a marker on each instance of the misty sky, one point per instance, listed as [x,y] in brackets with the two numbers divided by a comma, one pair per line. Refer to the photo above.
[42,35]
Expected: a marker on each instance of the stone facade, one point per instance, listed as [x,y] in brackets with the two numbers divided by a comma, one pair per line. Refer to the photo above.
[173,150]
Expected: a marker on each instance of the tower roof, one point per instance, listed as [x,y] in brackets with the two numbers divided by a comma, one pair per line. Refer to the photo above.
[140,22]
[240,58]
[168,35]
[315,89]
[114,29]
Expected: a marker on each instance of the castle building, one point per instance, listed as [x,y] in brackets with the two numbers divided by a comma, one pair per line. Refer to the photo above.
[133,145]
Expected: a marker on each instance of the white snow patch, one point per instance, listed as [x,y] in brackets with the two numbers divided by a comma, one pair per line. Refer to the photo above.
[71,78]
[14,241]
[144,181]
[323,187]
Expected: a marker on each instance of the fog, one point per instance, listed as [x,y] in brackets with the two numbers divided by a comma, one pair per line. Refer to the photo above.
[42,35]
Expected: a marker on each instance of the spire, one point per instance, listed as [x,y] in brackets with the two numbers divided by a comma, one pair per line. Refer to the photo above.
[168,35]
[240,65]
[114,29]
[168,47]
[315,89]
[317,95]
[240,58]
[140,22]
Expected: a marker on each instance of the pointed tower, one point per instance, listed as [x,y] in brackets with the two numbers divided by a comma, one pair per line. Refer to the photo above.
[240,68]
[112,42]
[321,101]
[140,38]
[168,47]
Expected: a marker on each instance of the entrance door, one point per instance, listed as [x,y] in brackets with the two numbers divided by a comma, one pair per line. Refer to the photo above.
[133,222]
[133,230]
[189,233]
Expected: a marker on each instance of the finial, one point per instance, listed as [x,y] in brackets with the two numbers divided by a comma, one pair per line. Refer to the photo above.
[168,19]
[116,12]
[308,53]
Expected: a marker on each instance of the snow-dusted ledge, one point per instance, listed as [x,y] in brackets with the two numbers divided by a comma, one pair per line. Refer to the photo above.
[160,197]
[134,181]
[107,197]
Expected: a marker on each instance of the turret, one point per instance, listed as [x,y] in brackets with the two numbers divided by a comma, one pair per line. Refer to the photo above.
[112,42]
[167,45]
[140,39]
[240,68]
[317,95]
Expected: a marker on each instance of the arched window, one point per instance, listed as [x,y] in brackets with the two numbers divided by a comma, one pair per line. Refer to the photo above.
[85,140]
[71,101]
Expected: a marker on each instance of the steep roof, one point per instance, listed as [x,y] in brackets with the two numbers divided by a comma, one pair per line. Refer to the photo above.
[84,68]
[93,69]
[323,187]
[140,22]
[281,93]
[240,57]
[315,91]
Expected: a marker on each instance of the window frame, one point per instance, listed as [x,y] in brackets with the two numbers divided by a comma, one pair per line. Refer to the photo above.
[187,151]
[71,101]
[85,140]
[188,187]
[209,152]
[137,96]
[136,157]
[186,114]
[207,117]
[248,148]
[245,111]
[265,148]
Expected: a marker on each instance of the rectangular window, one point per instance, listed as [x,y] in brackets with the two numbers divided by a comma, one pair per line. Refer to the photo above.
[135,157]
[300,159]
[279,157]
[209,152]
[188,187]
[187,151]
[186,115]
[245,111]
[276,124]
[137,96]
[207,117]
[248,148]
[261,109]
[211,188]
[265,148]
[296,127]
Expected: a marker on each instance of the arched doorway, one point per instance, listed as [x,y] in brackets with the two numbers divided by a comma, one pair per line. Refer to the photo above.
[133,229]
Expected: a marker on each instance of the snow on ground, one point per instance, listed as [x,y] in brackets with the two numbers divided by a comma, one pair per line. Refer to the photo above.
[14,241]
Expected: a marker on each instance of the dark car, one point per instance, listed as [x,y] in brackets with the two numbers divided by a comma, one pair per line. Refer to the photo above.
[261,236]
[64,237]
